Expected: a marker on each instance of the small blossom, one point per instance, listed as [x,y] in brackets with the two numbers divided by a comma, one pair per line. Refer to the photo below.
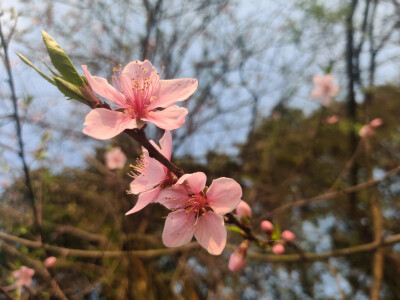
[115,159]
[23,276]
[288,236]
[50,261]
[366,131]
[137,95]
[278,249]
[236,261]
[150,176]
[243,209]
[198,211]
[332,119]
[267,226]
[376,122]
[324,88]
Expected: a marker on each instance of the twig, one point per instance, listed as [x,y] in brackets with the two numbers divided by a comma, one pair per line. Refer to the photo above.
[5,293]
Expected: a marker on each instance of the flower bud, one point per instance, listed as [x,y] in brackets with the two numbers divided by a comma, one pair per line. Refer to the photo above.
[267,226]
[366,131]
[243,209]
[288,236]
[236,261]
[278,249]
[376,122]
[50,261]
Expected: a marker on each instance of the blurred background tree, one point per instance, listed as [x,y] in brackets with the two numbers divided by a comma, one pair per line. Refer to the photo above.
[250,119]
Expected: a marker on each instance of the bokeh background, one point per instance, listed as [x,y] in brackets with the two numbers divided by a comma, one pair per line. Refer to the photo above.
[252,119]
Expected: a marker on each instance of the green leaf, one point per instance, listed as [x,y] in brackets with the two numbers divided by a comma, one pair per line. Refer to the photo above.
[25,60]
[61,60]
[234,229]
[50,69]
[68,89]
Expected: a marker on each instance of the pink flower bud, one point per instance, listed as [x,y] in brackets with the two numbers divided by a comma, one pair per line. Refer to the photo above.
[236,261]
[288,236]
[366,131]
[332,119]
[243,209]
[278,249]
[50,261]
[376,122]
[267,226]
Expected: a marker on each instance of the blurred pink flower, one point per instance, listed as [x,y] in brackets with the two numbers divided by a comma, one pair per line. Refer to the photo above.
[288,236]
[236,261]
[198,211]
[366,131]
[376,122]
[243,209]
[332,119]
[137,94]
[267,226]
[23,276]
[324,88]
[115,159]
[150,176]
[278,249]
[50,261]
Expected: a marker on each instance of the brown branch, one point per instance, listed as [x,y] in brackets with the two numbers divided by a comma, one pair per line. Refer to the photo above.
[6,294]
[332,195]
[96,253]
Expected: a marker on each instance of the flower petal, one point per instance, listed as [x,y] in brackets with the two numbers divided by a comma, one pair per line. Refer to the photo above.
[170,118]
[224,195]
[144,199]
[155,173]
[104,124]
[178,229]
[211,233]
[173,197]
[139,68]
[195,182]
[139,184]
[103,88]
[174,90]
[166,144]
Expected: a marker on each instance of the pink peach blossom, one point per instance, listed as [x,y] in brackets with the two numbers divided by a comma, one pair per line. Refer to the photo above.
[366,131]
[278,249]
[236,261]
[376,122]
[243,209]
[23,276]
[288,236]
[332,119]
[324,88]
[115,159]
[50,261]
[267,226]
[137,95]
[198,211]
[150,176]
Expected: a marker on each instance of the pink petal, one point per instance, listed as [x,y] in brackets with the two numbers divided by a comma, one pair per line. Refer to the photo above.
[174,197]
[211,233]
[224,195]
[139,184]
[170,118]
[144,199]
[195,182]
[178,229]
[103,124]
[166,144]
[103,88]
[139,68]
[155,173]
[174,90]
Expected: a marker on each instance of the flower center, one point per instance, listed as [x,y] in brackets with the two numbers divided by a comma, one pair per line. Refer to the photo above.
[196,206]
[140,167]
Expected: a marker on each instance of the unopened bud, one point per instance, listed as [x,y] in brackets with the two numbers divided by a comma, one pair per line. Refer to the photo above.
[366,131]
[376,122]
[278,249]
[236,261]
[288,236]
[243,209]
[50,261]
[267,226]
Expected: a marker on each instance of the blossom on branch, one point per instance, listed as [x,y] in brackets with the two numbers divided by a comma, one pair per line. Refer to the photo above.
[137,95]
[198,211]
[115,159]
[324,88]
[243,209]
[23,276]
[150,176]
